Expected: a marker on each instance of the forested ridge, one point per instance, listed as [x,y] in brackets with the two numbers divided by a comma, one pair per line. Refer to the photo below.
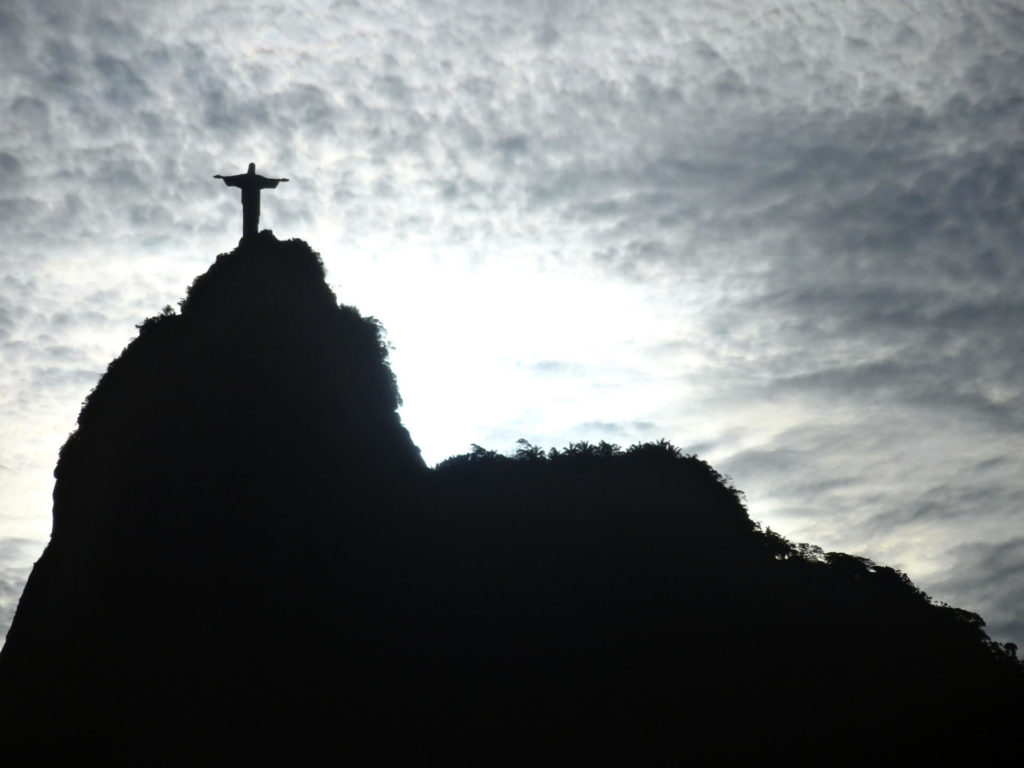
[250,558]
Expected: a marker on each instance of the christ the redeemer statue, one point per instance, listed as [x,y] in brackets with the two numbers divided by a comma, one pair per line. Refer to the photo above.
[251,185]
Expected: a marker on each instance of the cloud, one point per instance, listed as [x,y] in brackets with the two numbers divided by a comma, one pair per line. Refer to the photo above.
[10,168]
[121,85]
[989,577]
[821,206]
[627,432]
[14,570]
[555,368]
[604,429]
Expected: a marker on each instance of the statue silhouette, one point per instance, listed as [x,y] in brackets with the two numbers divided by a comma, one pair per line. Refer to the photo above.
[251,184]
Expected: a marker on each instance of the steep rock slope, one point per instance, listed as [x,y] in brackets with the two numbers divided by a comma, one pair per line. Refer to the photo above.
[211,509]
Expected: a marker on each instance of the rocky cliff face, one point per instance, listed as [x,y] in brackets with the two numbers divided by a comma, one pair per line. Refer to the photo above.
[211,507]
[249,558]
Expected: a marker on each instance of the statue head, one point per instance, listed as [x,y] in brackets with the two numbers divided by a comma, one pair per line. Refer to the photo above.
[252,168]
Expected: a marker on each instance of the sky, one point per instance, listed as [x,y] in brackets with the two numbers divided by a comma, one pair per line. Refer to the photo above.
[787,236]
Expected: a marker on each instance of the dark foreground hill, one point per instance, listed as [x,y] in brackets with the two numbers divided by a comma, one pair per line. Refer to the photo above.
[249,558]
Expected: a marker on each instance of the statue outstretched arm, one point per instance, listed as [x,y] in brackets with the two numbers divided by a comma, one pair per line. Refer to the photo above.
[266,183]
[231,181]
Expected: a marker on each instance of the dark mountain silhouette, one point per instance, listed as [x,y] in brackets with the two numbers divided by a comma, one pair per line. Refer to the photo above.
[250,559]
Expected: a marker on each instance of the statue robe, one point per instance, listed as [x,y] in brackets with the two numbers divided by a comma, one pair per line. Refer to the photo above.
[251,184]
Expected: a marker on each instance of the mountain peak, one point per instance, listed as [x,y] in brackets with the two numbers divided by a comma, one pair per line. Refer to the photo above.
[248,551]
[259,355]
